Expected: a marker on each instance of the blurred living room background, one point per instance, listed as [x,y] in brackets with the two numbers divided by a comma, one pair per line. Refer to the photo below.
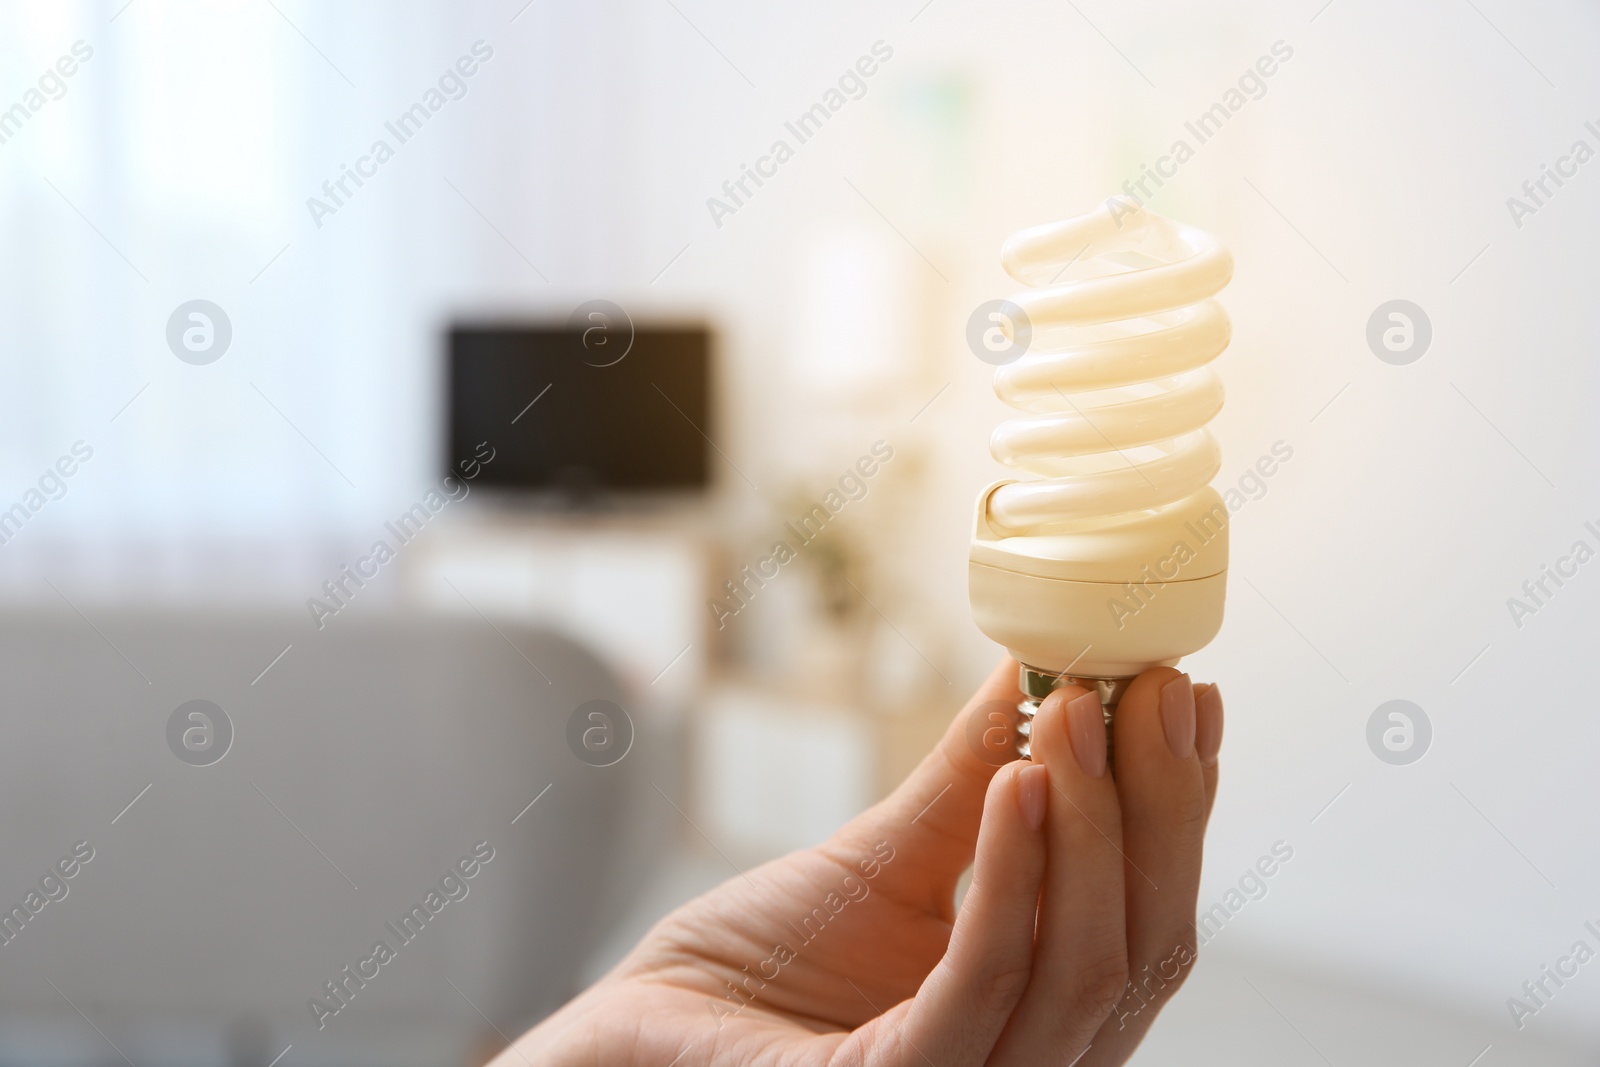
[203,151]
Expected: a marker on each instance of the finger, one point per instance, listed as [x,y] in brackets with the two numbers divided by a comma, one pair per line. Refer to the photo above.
[1161,788]
[965,1001]
[1208,736]
[932,818]
[1080,951]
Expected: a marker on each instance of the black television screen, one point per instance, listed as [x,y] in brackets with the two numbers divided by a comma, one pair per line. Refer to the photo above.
[558,422]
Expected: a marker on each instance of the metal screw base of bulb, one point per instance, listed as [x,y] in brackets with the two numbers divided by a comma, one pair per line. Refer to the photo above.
[1036,685]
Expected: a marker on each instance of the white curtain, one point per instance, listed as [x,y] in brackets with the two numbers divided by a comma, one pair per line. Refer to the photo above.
[174,164]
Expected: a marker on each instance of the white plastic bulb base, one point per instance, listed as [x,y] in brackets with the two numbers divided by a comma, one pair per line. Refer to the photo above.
[1135,591]
[1097,607]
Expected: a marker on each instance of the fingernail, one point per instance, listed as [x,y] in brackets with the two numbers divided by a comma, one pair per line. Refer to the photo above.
[1208,724]
[1033,790]
[1177,715]
[1086,722]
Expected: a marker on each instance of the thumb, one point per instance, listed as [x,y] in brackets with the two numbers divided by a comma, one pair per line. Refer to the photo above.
[968,999]
[932,818]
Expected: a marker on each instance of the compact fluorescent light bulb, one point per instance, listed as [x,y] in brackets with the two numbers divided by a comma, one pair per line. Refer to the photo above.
[1113,556]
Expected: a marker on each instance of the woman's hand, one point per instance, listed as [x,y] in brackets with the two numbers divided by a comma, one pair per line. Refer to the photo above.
[1077,927]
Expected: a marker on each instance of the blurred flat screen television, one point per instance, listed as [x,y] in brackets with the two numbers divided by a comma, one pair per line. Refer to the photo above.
[570,426]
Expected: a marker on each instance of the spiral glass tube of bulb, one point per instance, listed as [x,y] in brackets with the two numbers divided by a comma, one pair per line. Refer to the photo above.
[1115,394]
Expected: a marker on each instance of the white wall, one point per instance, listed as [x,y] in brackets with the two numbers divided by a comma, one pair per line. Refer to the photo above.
[1391,541]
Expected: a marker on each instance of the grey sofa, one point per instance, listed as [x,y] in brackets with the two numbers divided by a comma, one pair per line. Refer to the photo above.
[366,766]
